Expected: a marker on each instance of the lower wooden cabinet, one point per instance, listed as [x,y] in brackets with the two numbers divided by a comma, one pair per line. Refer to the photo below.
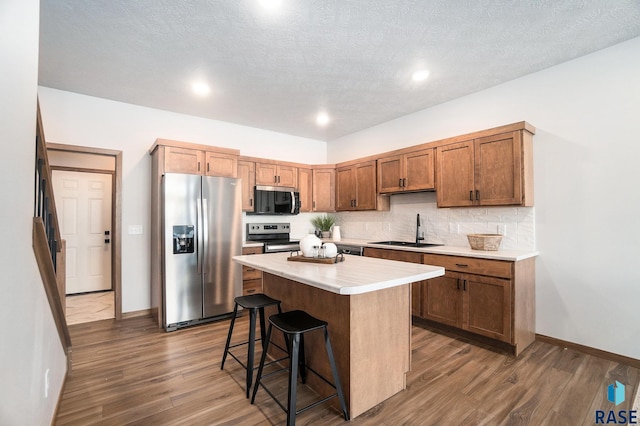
[251,277]
[474,303]
[491,298]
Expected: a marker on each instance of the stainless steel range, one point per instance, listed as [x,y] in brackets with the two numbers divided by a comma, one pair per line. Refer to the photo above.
[275,236]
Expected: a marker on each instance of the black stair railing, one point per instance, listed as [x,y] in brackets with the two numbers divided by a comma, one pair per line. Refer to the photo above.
[44,205]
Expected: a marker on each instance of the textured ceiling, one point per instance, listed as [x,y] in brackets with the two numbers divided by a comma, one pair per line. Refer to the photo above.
[351,58]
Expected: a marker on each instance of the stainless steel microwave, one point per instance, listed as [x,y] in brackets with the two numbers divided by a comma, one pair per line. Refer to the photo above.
[275,200]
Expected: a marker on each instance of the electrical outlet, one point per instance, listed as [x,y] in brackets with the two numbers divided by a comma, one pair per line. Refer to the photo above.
[454,228]
[502,229]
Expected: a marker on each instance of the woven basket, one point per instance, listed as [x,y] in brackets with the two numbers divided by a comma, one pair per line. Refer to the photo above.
[489,242]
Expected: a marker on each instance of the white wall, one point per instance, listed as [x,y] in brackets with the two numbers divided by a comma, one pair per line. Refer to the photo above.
[587,200]
[75,119]
[30,344]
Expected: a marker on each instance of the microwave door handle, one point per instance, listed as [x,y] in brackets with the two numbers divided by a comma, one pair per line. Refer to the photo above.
[293,202]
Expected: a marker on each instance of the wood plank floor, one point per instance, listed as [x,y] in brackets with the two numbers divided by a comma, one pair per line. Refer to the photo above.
[131,372]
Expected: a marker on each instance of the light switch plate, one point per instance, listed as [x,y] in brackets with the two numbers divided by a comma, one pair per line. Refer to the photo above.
[502,229]
[135,229]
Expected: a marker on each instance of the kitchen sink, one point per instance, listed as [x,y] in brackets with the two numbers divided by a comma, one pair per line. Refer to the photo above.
[406,244]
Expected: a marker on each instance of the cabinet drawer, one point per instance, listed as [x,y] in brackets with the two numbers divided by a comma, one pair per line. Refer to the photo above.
[252,250]
[249,273]
[251,286]
[472,265]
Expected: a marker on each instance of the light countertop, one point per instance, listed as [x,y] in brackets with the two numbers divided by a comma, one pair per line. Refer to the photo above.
[356,275]
[509,255]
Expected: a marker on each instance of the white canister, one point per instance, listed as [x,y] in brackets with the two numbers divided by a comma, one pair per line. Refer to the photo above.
[307,245]
[336,233]
[330,250]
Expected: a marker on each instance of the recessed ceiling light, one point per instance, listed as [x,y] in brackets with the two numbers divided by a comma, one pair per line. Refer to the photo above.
[200,88]
[420,75]
[270,4]
[322,119]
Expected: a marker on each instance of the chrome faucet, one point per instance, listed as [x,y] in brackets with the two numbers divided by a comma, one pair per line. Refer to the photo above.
[418,237]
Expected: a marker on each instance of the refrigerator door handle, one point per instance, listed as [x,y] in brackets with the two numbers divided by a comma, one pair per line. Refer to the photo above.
[199,245]
[205,229]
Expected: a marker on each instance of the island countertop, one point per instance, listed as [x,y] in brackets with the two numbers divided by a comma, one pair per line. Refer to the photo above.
[356,275]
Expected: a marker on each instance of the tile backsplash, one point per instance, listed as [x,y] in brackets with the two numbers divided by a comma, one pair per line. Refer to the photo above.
[449,226]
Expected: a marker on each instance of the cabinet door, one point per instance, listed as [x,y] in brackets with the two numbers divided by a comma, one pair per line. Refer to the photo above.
[498,170]
[218,164]
[305,185]
[266,174]
[345,189]
[287,176]
[366,186]
[247,172]
[391,174]
[182,160]
[442,300]
[420,170]
[324,190]
[488,306]
[455,174]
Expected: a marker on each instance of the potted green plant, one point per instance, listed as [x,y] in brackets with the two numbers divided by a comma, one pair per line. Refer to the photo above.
[324,224]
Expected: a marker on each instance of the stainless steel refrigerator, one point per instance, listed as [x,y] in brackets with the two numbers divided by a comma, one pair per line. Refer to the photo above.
[202,223]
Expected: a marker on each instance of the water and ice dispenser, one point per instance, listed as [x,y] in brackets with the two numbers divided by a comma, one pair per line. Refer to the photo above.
[183,239]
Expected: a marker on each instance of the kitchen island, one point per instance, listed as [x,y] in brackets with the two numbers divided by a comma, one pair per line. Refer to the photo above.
[367,303]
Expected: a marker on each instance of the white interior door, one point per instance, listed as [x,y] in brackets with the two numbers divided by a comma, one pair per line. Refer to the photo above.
[83,201]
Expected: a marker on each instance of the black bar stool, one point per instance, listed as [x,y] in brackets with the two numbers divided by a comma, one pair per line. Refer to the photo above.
[253,303]
[294,325]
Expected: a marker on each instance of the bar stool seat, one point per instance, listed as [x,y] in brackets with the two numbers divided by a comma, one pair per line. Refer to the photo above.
[254,303]
[294,324]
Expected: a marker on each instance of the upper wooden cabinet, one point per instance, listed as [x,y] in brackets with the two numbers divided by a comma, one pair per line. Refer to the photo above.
[305,187]
[181,160]
[356,187]
[324,189]
[219,164]
[184,157]
[247,173]
[412,171]
[493,170]
[274,174]
[317,189]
